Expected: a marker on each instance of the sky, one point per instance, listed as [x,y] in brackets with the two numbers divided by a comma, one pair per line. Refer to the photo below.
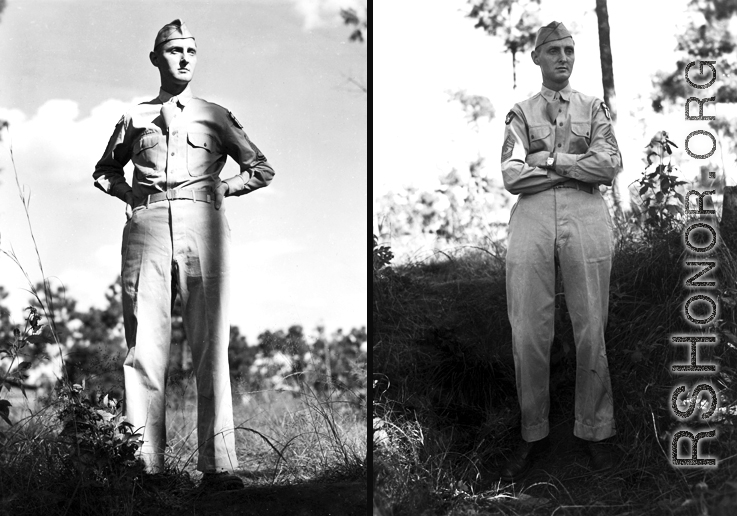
[427,49]
[70,68]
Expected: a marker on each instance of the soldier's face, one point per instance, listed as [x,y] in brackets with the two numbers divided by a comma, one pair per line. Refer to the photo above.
[176,60]
[555,60]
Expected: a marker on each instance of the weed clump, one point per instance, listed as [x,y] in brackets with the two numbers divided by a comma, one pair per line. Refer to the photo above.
[101,444]
[76,454]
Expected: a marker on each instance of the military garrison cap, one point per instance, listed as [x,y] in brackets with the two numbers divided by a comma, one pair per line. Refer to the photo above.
[551,32]
[174,30]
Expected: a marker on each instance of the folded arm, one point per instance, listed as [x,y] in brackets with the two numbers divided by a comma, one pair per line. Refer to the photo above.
[602,162]
[521,176]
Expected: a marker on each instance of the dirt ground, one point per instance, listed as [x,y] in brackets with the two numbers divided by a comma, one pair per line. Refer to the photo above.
[306,499]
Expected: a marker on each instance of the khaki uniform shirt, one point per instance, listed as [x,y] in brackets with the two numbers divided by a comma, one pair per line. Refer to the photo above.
[578,130]
[201,137]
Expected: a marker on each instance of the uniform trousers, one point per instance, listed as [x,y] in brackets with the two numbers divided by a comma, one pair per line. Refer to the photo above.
[182,245]
[575,226]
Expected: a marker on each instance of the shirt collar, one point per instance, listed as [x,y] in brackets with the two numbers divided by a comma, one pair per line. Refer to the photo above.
[183,97]
[565,93]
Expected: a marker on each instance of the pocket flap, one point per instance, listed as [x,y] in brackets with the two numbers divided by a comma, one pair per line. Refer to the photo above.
[538,133]
[201,141]
[581,129]
[146,142]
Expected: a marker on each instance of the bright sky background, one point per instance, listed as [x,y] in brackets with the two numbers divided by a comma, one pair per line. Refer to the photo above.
[425,49]
[70,68]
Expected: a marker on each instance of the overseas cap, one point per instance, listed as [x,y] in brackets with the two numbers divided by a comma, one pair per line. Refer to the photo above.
[551,32]
[174,30]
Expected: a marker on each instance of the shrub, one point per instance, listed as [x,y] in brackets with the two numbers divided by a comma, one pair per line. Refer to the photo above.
[101,445]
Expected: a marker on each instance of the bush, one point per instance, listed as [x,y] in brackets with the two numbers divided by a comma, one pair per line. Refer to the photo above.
[101,445]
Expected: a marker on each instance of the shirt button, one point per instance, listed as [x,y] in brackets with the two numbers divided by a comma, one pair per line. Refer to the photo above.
[173,153]
[561,124]
[174,133]
[558,146]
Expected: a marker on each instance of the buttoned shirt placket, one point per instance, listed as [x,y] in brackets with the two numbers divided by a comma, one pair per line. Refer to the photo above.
[561,128]
[176,157]
[560,121]
[176,169]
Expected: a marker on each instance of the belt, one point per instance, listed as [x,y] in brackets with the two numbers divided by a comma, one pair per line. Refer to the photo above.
[204,195]
[577,185]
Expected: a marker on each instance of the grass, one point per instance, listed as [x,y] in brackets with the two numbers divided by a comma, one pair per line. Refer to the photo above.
[445,410]
[281,439]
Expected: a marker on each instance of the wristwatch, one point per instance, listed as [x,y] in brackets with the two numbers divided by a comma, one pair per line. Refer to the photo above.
[551,160]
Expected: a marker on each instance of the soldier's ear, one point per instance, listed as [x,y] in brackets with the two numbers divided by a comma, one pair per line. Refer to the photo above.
[535,58]
[154,57]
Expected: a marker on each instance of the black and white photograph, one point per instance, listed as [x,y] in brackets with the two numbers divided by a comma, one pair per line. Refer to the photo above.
[182,291]
[554,258]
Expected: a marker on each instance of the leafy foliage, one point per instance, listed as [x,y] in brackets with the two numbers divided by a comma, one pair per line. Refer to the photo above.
[461,211]
[708,37]
[14,359]
[101,444]
[475,106]
[382,255]
[359,22]
[514,21]
[661,203]
[287,361]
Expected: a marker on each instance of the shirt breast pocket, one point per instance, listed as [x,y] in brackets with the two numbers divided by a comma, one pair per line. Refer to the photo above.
[580,138]
[147,153]
[540,139]
[202,151]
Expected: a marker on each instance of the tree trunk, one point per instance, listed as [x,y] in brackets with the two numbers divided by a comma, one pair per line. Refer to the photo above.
[607,79]
[728,224]
[514,70]
[605,54]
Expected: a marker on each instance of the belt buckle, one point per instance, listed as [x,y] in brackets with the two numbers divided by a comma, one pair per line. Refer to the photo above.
[168,195]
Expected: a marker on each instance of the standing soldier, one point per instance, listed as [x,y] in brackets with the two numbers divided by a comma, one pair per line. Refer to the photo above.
[177,238]
[559,146]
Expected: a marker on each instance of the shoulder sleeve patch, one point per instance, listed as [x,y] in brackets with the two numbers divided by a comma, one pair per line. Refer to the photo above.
[606,111]
[510,116]
[610,139]
[508,148]
[234,119]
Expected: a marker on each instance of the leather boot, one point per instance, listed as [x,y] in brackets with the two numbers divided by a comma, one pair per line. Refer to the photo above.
[522,458]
